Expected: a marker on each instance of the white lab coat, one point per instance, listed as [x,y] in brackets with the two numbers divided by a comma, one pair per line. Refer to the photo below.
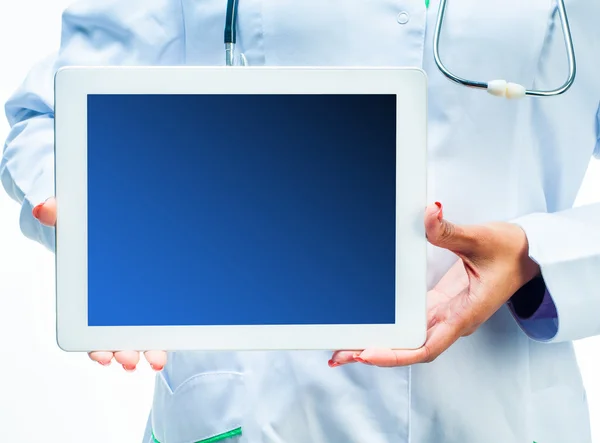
[513,381]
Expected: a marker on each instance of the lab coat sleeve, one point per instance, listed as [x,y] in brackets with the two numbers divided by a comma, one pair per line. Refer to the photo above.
[94,32]
[566,245]
[563,304]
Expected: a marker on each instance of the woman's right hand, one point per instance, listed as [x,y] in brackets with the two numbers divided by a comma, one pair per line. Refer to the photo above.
[46,214]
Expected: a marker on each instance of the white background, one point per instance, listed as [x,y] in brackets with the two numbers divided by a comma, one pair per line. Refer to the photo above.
[45,394]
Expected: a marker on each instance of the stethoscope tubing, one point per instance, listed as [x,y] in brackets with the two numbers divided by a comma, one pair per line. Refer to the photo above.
[496,87]
[566,30]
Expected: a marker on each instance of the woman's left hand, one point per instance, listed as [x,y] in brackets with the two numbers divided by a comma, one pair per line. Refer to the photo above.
[493,264]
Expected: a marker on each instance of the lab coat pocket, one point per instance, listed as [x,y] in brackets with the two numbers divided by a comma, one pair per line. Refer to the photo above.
[208,406]
[561,415]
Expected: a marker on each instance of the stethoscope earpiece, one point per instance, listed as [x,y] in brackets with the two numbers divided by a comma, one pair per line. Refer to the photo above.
[497,88]
[502,88]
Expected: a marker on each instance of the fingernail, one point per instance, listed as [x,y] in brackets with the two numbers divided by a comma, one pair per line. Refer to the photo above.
[156,368]
[333,364]
[36,210]
[441,213]
[104,363]
[129,368]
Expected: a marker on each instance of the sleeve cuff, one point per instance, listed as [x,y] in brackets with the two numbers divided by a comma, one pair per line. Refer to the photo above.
[32,228]
[534,310]
[566,246]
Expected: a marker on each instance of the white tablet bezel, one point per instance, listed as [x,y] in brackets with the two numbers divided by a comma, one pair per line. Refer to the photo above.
[73,84]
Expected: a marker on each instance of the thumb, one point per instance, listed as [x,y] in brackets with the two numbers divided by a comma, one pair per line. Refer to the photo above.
[462,240]
[46,212]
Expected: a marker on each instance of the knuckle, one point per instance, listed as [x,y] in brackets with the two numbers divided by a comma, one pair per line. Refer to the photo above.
[468,332]
[471,328]
[446,232]
[428,355]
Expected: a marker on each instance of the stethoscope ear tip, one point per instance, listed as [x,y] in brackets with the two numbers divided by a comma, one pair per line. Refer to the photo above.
[502,88]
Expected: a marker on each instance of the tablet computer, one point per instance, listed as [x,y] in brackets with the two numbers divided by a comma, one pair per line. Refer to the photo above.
[244,208]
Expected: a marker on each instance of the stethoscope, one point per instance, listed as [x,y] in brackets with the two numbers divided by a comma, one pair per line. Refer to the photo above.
[499,88]
[231,35]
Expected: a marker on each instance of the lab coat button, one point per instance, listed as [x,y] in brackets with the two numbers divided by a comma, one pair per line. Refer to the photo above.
[403,18]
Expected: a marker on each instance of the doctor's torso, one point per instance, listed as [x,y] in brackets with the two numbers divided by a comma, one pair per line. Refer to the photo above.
[489,159]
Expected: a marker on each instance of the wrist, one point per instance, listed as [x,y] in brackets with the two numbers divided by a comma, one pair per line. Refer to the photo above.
[528,268]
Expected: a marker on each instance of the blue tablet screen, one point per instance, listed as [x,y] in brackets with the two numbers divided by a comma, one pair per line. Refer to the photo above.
[241,209]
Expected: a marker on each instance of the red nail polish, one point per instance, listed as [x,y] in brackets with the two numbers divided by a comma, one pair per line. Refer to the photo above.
[332,364]
[441,213]
[36,210]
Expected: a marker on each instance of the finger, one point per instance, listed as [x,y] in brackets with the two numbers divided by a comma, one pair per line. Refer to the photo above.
[342,357]
[129,359]
[441,337]
[433,316]
[102,357]
[383,357]
[156,359]
[46,212]
[462,240]
[454,282]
